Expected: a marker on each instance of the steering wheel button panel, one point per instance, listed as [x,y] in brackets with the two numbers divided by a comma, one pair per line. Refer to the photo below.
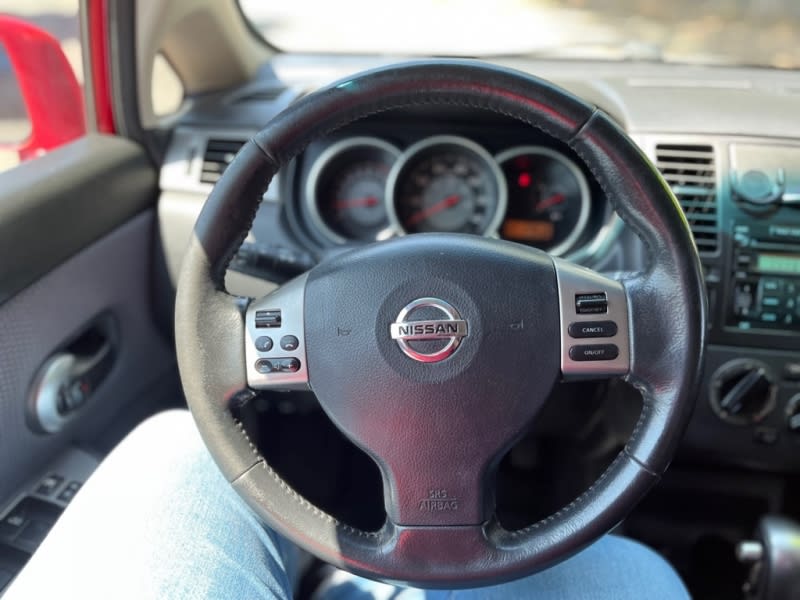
[582,294]
[281,366]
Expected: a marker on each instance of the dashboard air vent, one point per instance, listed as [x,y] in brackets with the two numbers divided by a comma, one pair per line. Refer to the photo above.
[690,172]
[218,155]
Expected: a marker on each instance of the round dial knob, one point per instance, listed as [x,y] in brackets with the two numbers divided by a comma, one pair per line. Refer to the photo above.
[742,392]
[758,192]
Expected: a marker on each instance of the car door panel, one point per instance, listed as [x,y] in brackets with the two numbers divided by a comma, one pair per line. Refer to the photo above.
[77,240]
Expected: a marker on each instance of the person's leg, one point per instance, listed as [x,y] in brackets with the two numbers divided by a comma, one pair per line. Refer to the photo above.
[612,568]
[157,520]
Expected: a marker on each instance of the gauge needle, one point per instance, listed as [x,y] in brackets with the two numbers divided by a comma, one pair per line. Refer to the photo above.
[433,209]
[356,202]
[549,201]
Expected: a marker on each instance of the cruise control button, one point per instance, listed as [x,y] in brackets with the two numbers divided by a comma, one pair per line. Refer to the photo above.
[289,343]
[589,304]
[592,329]
[594,352]
[264,343]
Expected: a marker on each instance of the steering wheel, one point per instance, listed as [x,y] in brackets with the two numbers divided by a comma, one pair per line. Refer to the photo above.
[435,352]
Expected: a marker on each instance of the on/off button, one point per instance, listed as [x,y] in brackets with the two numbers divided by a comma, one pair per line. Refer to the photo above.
[594,352]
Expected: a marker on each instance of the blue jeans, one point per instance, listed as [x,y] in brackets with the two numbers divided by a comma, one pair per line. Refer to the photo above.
[158,520]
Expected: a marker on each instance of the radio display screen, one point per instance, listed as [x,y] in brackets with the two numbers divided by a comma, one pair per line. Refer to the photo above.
[779,263]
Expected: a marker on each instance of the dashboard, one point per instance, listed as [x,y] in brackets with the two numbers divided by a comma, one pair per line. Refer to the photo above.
[727,142]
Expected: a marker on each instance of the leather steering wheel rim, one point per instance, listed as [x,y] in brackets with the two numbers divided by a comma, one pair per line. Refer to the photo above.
[666,322]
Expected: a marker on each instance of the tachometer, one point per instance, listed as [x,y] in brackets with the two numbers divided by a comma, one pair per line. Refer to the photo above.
[446,184]
[346,189]
[548,198]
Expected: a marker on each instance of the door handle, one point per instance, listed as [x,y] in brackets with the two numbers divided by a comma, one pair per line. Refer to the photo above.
[66,380]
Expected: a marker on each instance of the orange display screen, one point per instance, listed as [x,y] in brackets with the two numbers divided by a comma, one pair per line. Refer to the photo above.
[527,230]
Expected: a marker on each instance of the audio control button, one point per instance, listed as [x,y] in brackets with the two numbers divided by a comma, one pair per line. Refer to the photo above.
[588,304]
[277,365]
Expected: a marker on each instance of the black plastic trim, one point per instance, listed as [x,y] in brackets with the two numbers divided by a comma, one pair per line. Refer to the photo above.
[56,205]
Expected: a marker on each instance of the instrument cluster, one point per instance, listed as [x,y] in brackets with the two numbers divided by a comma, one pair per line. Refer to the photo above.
[363,189]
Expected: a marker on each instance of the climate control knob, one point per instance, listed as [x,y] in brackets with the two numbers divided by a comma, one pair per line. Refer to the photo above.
[742,392]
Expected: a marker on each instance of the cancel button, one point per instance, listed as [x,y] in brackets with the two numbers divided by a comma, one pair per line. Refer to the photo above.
[592,329]
[594,352]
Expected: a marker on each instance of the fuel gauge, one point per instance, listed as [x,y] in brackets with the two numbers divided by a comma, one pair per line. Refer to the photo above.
[548,199]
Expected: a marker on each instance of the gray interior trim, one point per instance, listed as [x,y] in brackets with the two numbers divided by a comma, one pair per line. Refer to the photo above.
[56,205]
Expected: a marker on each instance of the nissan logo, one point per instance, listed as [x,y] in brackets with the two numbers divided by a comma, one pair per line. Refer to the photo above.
[428,330]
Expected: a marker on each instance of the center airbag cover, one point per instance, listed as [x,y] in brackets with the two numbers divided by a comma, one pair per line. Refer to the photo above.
[435,428]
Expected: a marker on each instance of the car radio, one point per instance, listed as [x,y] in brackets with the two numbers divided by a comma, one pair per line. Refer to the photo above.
[765,277]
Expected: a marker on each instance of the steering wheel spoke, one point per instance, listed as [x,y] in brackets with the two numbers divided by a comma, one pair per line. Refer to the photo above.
[275,341]
[595,333]
[438,485]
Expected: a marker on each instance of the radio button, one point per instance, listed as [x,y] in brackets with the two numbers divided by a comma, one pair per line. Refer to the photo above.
[771,285]
[268,318]
[743,299]
[770,301]
[769,317]
[592,329]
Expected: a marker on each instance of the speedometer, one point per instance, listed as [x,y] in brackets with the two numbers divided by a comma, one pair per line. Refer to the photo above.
[548,199]
[446,184]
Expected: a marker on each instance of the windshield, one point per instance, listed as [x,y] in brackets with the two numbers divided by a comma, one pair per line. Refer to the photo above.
[743,32]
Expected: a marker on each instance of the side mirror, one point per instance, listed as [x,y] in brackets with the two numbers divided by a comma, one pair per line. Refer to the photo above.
[52,95]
